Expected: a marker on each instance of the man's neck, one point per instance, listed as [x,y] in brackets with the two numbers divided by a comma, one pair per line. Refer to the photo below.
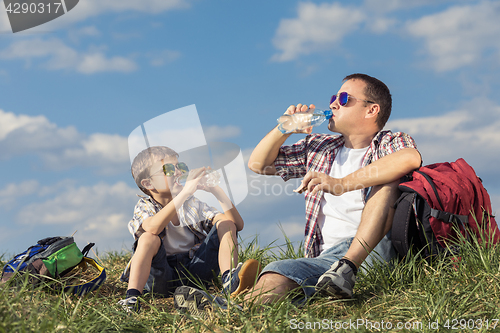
[358,141]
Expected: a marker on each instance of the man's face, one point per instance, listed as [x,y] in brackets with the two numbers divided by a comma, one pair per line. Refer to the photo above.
[346,119]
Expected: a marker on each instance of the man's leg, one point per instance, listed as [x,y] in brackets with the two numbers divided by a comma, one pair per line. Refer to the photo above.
[376,221]
[271,287]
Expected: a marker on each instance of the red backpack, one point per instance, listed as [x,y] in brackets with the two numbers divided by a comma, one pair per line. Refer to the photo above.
[442,197]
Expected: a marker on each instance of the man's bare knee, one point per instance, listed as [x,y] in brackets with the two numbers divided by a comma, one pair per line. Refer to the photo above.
[272,287]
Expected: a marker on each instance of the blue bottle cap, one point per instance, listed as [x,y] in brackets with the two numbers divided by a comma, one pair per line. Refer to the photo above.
[328,114]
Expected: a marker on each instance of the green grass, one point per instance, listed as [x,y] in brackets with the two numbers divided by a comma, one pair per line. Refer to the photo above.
[413,293]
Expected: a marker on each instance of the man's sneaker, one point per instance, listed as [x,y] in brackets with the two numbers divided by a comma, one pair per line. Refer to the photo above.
[338,281]
[197,302]
[241,278]
[130,304]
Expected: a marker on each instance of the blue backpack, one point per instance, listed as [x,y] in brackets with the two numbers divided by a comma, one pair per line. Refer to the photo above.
[54,257]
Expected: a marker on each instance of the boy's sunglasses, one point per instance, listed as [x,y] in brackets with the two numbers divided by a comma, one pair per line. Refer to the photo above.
[169,168]
[343,98]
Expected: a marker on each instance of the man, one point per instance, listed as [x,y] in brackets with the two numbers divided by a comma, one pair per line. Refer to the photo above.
[351,182]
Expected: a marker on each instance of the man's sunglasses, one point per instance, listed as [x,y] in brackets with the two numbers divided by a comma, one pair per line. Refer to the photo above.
[343,98]
[169,169]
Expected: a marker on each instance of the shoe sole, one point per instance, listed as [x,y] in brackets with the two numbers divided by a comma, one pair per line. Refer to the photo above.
[193,301]
[326,288]
[248,274]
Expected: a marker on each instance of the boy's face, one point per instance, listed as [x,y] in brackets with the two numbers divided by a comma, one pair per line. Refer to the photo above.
[165,184]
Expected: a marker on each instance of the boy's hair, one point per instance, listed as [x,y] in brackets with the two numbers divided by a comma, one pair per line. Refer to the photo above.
[145,159]
[378,92]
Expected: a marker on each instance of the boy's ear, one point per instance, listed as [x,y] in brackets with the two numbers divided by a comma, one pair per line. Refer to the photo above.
[147,184]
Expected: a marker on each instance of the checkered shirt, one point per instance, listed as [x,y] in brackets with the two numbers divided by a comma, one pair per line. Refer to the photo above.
[317,152]
[197,215]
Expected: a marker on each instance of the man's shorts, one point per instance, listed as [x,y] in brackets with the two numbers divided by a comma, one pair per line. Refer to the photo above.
[169,272]
[306,271]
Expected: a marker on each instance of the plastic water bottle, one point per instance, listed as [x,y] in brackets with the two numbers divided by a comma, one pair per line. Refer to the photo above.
[289,123]
[210,179]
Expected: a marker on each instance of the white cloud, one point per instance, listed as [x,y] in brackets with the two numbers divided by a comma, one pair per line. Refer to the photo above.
[316,28]
[158,59]
[100,213]
[10,195]
[460,35]
[60,148]
[59,56]
[471,133]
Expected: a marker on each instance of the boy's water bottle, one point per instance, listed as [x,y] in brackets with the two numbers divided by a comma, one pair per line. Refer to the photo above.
[289,123]
[211,178]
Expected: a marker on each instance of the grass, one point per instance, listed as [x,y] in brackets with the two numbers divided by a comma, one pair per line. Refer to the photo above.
[412,296]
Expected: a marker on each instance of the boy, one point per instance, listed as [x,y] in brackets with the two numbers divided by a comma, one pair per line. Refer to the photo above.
[178,237]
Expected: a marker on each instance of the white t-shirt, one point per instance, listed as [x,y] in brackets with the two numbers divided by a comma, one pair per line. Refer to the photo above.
[339,216]
[178,239]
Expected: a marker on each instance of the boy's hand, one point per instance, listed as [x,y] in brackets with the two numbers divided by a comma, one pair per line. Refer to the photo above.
[193,181]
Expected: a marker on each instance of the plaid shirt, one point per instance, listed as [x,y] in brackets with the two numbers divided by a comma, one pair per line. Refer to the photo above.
[197,215]
[317,152]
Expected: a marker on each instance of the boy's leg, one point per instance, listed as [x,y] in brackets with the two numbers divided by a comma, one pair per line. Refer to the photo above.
[228,245]
[147,247]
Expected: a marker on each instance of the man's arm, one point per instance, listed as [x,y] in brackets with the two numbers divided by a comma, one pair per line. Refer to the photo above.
[383,171]
[263,156]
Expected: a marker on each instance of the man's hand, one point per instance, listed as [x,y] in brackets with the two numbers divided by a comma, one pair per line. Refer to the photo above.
[301,108]
[315,181]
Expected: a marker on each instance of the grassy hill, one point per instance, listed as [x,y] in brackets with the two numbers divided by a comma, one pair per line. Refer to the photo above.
[461,295]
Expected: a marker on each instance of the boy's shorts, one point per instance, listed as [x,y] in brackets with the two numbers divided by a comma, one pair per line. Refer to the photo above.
[306,271]
[169,272]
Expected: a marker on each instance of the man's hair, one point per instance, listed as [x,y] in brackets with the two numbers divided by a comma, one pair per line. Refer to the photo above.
[376,91]
[145,159]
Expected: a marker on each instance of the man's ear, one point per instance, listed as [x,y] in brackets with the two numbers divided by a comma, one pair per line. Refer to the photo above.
[373,111]
[147,184]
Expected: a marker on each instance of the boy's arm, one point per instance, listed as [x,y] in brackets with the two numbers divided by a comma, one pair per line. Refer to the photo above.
[155,224]
[230,211]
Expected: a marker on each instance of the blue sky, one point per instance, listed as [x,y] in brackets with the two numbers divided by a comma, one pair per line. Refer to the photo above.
[72,90]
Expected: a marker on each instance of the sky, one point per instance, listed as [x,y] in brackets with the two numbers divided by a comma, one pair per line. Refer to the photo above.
[73,90]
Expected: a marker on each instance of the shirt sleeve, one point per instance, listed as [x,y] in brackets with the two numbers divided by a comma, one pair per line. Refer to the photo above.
[143,209]
[208,213]
[291,161]
[393,142]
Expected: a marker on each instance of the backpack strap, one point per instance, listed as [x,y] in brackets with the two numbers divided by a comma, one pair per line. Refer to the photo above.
[448,217]
[403,217]
[82,289]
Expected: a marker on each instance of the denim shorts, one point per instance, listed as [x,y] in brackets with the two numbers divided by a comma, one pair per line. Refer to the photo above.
[169,272]
[306,271]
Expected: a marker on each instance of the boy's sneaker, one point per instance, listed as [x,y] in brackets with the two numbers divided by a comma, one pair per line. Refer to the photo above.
[196,302]
[130,304]
[241,278]
[338,281]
